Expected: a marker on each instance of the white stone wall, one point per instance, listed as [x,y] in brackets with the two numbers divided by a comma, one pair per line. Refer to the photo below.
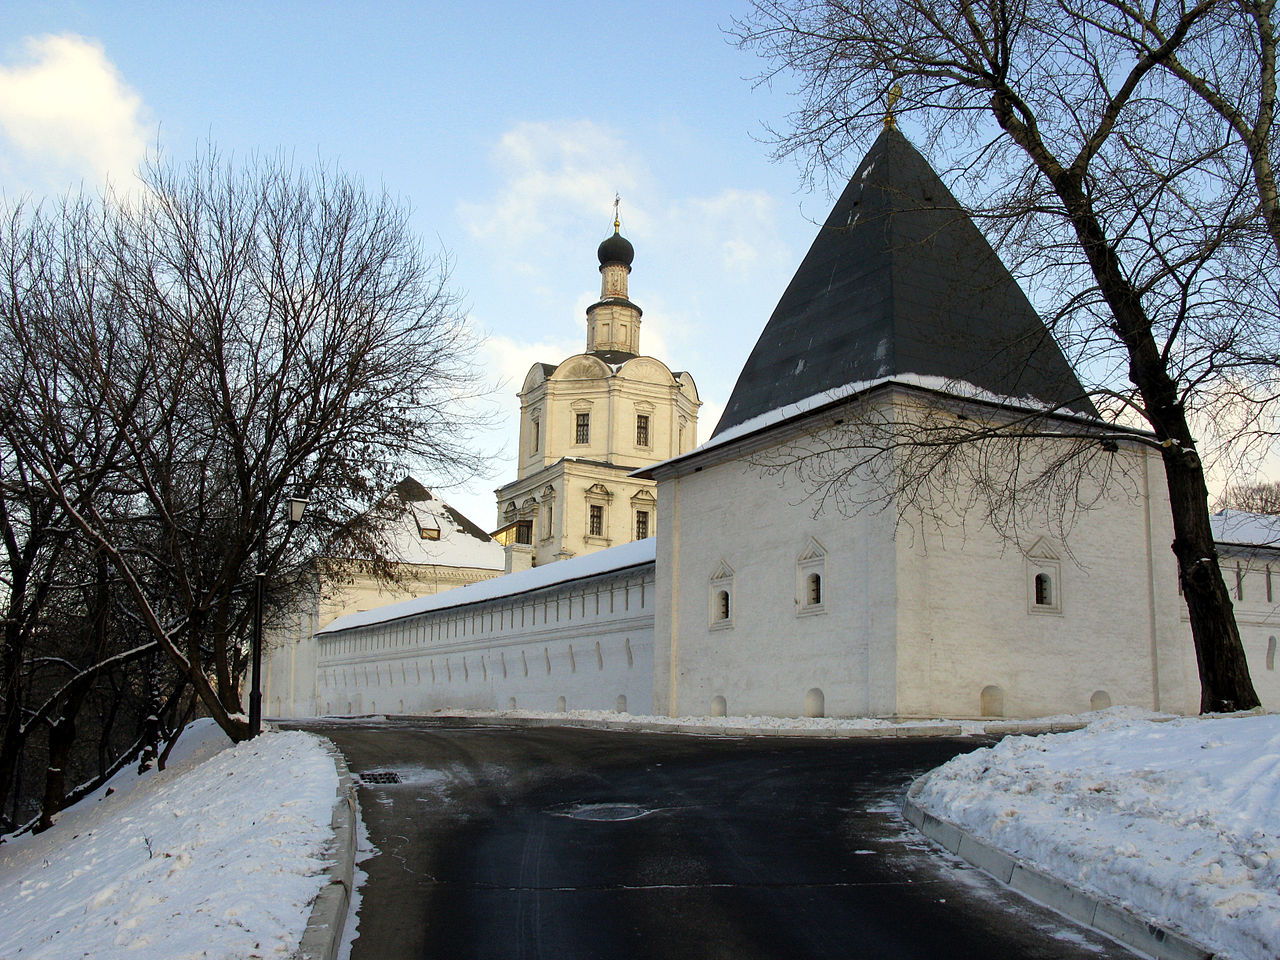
[581,645]
[774,652]
[968,620]
[911,624]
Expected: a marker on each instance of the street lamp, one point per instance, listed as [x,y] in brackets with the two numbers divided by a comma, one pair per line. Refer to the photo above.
[297,506]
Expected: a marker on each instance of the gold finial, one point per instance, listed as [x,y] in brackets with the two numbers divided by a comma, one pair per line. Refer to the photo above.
[890,116]
[617,224]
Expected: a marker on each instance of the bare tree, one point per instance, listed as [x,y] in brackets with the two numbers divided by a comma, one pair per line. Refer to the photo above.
[185,358]
[1252,498]
[1117,184]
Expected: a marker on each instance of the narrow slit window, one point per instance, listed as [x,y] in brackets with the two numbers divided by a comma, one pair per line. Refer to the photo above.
[813,589]
[1044,590]
[722,605]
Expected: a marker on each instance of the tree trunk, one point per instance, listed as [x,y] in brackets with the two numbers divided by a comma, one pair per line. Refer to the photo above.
[1224,674]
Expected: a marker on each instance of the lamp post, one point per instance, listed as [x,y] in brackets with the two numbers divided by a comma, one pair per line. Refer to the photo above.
[297,506]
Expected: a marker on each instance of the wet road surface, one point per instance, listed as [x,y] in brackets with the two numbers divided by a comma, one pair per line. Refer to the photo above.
[568,844]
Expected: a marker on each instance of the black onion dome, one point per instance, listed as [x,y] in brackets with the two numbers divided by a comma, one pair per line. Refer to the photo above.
[616,249]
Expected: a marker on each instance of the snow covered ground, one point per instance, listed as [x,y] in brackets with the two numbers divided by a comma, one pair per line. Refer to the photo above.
[218,856]
[1179,820]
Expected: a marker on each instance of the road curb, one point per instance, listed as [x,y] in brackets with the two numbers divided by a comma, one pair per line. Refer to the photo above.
[1001,728]
[323,936]
[1080,905]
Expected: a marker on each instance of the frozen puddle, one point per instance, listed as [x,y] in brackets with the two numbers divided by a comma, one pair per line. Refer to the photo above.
[604,811]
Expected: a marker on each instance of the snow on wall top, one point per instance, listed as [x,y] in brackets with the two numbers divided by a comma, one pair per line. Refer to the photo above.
[1253,529]
[790,411]
[633,554]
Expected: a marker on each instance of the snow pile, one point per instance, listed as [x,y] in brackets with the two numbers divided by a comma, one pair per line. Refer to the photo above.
[1180,821]
[218,856]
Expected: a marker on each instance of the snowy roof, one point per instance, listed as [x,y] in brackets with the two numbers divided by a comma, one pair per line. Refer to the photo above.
[461,544]
[1247,529]
[634,554]
[898,281]
[799,408]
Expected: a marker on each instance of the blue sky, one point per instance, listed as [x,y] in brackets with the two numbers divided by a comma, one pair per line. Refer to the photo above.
[508,127]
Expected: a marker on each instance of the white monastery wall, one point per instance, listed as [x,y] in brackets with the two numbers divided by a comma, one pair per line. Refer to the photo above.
[586,644]
[726,528]
[974,641]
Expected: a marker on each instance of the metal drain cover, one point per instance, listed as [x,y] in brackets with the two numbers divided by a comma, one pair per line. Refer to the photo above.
[380,776]
[606,811]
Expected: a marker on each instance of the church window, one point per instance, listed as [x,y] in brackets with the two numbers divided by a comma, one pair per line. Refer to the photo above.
[1044,590]
[537,436]
[524,531]
[429,533]
[582,428]
[642,524]
[642,430]
[551,513]
[595,523]
[813,589]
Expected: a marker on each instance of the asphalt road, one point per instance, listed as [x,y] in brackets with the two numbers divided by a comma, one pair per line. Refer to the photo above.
[567,844]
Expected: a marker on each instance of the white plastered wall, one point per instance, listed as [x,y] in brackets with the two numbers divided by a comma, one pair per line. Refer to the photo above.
[589,642]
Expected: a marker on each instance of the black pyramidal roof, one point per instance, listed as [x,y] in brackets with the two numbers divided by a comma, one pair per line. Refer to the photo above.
[900,281]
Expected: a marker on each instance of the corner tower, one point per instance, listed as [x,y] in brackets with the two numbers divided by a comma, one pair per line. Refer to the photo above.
[585,424]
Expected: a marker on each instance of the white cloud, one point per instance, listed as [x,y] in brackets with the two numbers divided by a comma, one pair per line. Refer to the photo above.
[555,176]
[67,114]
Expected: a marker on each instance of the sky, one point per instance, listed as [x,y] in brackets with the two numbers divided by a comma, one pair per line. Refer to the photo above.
[508,129]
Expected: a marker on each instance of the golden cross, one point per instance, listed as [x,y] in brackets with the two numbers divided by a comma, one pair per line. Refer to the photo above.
[617,199]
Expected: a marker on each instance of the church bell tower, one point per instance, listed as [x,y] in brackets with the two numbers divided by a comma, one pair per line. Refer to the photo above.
[613,321]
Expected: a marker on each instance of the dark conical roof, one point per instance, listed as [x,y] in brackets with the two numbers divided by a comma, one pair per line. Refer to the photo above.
[900,281]
[616,249]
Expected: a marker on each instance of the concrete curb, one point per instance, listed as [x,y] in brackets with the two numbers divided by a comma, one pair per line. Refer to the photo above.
[1083,907]
[323,936]
[1001,728]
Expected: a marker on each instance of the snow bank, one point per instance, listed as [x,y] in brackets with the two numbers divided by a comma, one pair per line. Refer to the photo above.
[1180,821]
[218,856]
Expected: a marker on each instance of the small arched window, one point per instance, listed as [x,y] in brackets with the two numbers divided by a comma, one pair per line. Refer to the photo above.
[1044,590]
[813,589]
[722,605]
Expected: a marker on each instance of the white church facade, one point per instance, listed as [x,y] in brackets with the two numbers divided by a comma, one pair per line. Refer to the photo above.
[900,309]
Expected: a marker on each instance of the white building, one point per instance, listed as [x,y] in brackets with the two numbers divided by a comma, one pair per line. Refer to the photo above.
[585,425]
[754,604]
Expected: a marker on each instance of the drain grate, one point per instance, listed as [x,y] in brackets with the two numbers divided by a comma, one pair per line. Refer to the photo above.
[379,776]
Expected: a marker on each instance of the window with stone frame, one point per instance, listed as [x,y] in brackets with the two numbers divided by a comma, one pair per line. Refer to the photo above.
[811,569]
[721,605]
[642,430]
[595,520]
[582,428]
[1044,579]
[642,524]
